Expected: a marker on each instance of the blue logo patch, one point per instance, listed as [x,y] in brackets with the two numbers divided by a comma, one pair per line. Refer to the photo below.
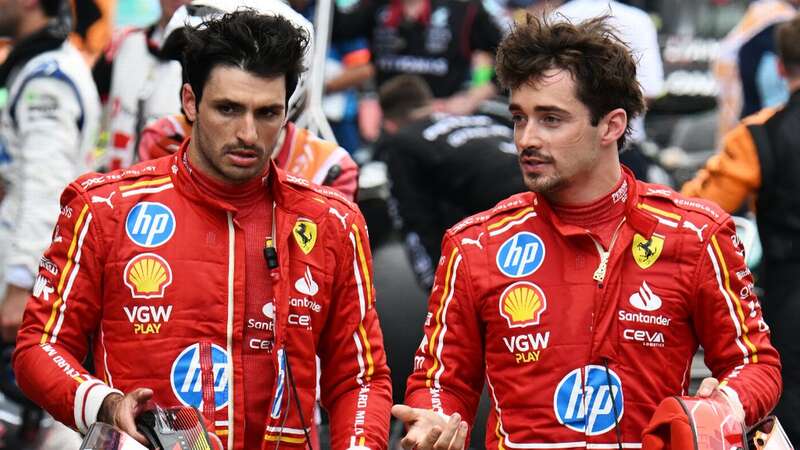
[187,381]
[583,400]
[520,255]
[150,224]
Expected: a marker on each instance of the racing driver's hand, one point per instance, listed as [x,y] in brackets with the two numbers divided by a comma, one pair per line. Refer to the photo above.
[428,430]
[710,387]
[121,411]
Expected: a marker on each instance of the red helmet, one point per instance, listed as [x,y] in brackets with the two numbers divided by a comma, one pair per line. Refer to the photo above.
[709,424]
[694,423]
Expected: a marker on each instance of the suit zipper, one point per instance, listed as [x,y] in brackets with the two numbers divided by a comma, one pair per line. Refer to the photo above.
[229,332]
[600,272]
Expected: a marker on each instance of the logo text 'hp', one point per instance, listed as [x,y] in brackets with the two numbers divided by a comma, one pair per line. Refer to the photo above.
[520,255]
[589,400]
[186,376]
[150,224]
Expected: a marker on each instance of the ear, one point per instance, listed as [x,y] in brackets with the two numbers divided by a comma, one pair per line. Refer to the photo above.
[612,126]
[189,102]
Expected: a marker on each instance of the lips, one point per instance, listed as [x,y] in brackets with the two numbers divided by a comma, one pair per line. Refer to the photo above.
[532,164]
[242,157]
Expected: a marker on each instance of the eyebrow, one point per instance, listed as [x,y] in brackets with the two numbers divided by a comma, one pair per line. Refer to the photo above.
[230,101]
[544,108]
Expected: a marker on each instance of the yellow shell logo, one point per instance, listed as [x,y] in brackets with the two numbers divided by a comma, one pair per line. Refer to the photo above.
[522,304]
[147,276]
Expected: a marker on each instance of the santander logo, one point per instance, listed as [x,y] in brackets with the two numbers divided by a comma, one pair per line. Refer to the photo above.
[306,285]
[645,299]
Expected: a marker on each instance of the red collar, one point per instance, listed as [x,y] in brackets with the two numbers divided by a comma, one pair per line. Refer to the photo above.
[637,219]
[183,181]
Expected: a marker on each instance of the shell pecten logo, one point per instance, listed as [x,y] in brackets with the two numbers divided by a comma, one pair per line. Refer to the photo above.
[522,304]
[147,276]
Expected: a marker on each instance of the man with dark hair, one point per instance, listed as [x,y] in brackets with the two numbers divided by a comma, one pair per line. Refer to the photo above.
[759,158]
[48,126]
[442,167]
[211,278]
[298,151]
[582,302]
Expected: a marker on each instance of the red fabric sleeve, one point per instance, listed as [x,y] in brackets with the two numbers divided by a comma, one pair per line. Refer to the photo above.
[356,384]
[60,318]
[729,323]
[449,363]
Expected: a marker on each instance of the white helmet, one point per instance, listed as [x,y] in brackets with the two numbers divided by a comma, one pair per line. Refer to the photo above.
[200,11]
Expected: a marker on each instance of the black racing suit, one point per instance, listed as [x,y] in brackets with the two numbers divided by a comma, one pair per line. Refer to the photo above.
[438,47]
[444,168]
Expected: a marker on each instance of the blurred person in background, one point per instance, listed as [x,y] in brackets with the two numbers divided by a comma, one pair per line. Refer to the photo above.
[582,302]
[297,150]
[47,128]
[442,167]
[347,69]
[49,119]
[435,39]
[93,27]
[760,161]
[144,86]
[745,65]
[637,29]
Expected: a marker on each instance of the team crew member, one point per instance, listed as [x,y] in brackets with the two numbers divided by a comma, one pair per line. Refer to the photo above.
[211,278]
[759,158]
[583,301]
[436,39]
[143,86]
[47,128]
[443,167]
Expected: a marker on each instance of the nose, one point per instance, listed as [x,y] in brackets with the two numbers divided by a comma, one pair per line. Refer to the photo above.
[527,135]
[247,132]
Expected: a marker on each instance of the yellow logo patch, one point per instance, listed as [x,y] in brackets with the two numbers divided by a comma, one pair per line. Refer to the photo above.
[647,251]
[305,234]
[522,304]
[147,276]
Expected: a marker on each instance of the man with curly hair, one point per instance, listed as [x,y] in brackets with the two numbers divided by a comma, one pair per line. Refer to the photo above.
[582,302]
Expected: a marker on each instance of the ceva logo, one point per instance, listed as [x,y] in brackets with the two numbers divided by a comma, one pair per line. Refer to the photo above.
[187,380]
[589,400]
[150,224]
[520,255]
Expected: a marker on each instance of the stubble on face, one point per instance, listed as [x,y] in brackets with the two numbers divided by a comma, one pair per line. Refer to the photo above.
[556,142]
[237,124]
[540,182]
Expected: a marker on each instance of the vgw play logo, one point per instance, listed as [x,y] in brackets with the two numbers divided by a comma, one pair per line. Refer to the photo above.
[589,400]
[186,376]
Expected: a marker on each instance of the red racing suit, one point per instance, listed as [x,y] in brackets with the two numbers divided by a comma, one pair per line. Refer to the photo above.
[579,345]
[149,272]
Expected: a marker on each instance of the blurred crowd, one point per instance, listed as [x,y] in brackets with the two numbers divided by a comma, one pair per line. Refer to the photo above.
[400,111]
